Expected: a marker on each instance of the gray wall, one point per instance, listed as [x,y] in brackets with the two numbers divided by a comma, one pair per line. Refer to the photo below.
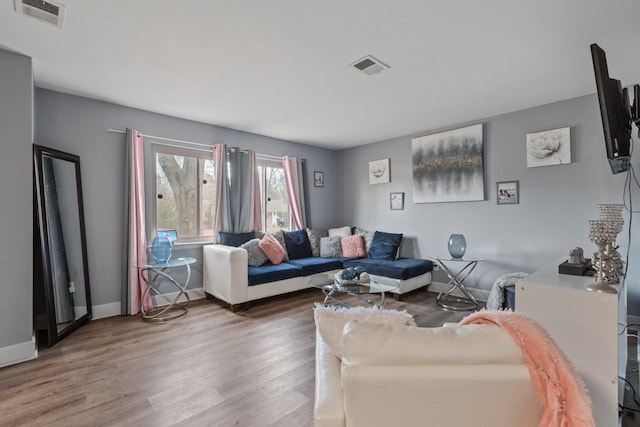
[556,202]
[79,126]
[16,224]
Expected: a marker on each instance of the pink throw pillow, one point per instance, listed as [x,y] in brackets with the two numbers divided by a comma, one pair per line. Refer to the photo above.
[272,249]
[353,246]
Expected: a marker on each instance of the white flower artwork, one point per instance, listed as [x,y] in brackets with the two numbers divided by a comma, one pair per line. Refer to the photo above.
[550,147]
[379,171]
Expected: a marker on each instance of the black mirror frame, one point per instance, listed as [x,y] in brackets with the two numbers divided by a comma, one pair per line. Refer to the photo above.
[43,298]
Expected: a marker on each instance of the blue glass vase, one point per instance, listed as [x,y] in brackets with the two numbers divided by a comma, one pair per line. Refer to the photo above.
[161,249]
[457,245]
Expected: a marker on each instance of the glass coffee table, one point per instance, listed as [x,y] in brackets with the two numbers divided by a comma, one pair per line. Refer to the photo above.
[332,290]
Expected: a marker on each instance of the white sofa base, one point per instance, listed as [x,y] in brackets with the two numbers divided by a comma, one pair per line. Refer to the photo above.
[404,286]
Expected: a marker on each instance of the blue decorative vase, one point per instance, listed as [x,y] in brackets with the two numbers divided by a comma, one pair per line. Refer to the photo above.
[457,245]
[161,249]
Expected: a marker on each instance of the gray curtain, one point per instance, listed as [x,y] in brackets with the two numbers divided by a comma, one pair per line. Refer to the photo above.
[223,221]
[236,192]
[240,190]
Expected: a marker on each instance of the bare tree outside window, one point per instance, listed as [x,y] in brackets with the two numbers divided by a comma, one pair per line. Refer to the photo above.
[184,192]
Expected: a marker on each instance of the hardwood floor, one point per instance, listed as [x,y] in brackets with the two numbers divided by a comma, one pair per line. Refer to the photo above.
[209,368]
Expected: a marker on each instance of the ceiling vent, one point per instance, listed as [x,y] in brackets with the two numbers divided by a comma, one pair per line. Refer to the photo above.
[46,11]
[369,65]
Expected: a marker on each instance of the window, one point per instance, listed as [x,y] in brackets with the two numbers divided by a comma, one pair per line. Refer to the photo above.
[184,189]
[273,195]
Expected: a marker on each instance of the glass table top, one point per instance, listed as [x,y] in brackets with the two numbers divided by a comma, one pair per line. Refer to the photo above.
[172,262]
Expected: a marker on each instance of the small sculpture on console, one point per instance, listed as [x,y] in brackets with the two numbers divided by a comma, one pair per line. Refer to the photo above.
[576,256]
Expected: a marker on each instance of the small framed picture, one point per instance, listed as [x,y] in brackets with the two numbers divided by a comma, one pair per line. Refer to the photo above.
[318,179]
[508,192]
[397,201]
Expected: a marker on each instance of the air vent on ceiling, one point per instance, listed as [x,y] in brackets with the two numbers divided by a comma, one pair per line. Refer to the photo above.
[369,65]
[46,11]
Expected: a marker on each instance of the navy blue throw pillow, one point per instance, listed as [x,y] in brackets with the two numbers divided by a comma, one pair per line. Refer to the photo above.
[298,245]
[236,239]
[385,245]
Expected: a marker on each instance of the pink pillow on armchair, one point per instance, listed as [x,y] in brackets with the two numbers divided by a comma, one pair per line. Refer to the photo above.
[272,249]
[353,246]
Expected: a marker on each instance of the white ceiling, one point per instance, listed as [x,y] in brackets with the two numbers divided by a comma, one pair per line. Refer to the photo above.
[281,67]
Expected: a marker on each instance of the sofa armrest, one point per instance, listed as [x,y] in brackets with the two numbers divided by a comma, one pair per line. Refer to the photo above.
[225,273]
[328,410]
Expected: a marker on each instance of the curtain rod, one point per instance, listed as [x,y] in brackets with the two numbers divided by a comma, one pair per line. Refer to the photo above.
[263,156]
[163,138]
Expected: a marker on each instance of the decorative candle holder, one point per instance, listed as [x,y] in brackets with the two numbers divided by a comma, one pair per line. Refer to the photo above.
[602,232]
[613,213]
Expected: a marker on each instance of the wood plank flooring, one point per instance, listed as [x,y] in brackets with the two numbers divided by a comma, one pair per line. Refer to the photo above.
[208,368]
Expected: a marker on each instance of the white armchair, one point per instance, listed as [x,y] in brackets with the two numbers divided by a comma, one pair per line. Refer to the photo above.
[391,375]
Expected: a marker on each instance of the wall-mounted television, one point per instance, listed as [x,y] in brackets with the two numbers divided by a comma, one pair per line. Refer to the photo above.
[617,114]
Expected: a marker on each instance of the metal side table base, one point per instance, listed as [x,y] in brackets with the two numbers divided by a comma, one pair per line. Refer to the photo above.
[456,279]
[154,275]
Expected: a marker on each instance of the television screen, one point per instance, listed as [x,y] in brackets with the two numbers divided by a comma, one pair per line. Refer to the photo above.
[615,112]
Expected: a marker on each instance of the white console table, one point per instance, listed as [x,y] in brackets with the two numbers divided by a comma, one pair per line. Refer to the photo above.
[585,325]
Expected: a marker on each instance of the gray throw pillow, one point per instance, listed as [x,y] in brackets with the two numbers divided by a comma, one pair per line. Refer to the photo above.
[330,247]
[366,235]
[314,239]
[256,256]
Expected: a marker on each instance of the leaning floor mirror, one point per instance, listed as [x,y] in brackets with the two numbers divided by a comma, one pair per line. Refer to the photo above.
[62,300]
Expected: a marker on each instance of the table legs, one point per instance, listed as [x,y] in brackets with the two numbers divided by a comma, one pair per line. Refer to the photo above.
[173,309]
[454,303]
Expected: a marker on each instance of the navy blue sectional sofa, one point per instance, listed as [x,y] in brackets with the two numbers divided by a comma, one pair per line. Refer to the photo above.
[228,276]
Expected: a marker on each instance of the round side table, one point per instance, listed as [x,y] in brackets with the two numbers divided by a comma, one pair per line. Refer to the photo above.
[157,273]
[458,269]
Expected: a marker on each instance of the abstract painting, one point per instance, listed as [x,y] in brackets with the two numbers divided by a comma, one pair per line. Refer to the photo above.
[448,166]
[551,147]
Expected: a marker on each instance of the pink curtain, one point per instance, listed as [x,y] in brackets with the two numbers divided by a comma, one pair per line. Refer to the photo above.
[137,238]
[291,177]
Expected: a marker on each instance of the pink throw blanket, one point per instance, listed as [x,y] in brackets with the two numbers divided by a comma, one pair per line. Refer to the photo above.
[560,390]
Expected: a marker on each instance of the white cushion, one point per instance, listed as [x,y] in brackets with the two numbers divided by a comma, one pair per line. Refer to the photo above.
[330,321]
[376,345]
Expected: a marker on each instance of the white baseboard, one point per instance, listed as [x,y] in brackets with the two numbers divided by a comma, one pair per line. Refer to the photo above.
[105,310]
[18,353]
[113,309]
[194,294]
[479,294]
